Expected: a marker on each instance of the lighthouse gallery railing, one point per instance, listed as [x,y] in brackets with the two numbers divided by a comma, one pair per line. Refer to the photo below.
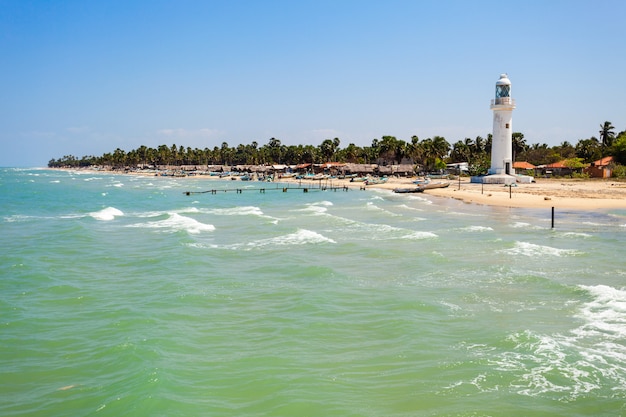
[503,100]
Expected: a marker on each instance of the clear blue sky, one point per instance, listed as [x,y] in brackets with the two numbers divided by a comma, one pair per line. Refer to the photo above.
[86,77]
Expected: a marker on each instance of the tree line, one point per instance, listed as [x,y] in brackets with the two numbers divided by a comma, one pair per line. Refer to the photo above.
[431,153]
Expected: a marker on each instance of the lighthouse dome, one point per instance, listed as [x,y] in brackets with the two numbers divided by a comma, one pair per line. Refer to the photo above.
[504,80]
[503,88]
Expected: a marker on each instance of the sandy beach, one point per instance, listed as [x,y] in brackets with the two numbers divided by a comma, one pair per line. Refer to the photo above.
[579,194]
[544,193]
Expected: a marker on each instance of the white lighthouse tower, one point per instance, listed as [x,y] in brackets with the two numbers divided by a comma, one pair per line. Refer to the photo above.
[501,171]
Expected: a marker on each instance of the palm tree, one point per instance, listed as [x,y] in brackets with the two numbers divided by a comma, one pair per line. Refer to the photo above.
[607,135]
[588,149]
[391,149]
[274,146]
[461,151]
[327,149]
[519,144]
[441,146]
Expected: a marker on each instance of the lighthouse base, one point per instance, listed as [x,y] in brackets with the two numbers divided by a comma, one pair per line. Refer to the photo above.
[499,179]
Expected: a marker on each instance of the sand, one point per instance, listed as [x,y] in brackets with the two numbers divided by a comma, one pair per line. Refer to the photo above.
[544,193]
[578,194]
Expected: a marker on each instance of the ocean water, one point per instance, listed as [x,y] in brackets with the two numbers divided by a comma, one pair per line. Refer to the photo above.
[123,296]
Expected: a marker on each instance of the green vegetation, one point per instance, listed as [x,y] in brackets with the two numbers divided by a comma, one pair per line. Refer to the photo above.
[432,153]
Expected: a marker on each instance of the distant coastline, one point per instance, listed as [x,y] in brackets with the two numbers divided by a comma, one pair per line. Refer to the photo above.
[578,194]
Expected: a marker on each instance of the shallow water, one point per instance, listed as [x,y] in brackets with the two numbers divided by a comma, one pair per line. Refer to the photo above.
[121,295]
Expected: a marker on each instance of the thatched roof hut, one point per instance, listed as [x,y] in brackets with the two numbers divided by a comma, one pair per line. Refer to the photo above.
[359,169]
[400,169]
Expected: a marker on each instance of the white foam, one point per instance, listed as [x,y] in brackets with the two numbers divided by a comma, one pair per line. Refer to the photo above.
[238,211]
[175,222]
[16,218]
[372,206]
[419,236]
[605,314]
[532,250]
[106,214]
[406,207]
[571,364]
[524,225]
[300,237]
[477,229]
[576,234]
[314,209]
[189,210]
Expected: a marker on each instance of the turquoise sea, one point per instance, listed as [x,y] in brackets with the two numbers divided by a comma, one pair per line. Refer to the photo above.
[123,296]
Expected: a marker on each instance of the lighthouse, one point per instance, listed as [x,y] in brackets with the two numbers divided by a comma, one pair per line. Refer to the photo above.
[501,171]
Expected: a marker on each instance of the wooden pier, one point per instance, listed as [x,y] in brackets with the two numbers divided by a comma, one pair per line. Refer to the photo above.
[263,190]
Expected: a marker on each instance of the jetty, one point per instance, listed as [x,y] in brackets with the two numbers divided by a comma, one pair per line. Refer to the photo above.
[262,190]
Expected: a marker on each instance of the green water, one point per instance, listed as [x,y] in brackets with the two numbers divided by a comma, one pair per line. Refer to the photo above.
[124,296]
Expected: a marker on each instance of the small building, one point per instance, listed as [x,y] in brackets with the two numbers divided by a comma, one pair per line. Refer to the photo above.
[522,167]
[359,169]
[457,168]
[558,169]
[403,170]
[602,168]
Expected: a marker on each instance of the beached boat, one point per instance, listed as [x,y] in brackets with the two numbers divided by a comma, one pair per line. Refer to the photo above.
[426,180]
[380,180]
[408,190]
[422,187]
[432,185]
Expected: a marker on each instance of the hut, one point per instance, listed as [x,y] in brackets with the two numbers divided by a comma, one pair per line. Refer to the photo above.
[359,169]
[602,168]
[558,169]
[522,167]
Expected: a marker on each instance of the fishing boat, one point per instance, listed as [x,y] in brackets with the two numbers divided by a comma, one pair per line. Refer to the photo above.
[408,190]
[423,181]
[422,187]
[379,180]
[433,185]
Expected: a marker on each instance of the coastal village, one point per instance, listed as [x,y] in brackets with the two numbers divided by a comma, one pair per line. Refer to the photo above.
[459,178]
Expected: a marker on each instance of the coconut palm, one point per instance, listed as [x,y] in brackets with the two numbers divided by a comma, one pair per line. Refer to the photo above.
[519,143]
[607,135]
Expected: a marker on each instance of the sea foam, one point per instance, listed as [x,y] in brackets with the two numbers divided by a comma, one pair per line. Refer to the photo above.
[106,214]
[175,223]
[531,249]
[605,313]
[298,238]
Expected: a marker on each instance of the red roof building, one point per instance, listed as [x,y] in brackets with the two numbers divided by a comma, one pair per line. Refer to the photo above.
[600,168]
[523,165]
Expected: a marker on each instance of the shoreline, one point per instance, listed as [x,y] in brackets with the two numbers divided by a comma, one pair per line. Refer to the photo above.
[586,195]
[578,194]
